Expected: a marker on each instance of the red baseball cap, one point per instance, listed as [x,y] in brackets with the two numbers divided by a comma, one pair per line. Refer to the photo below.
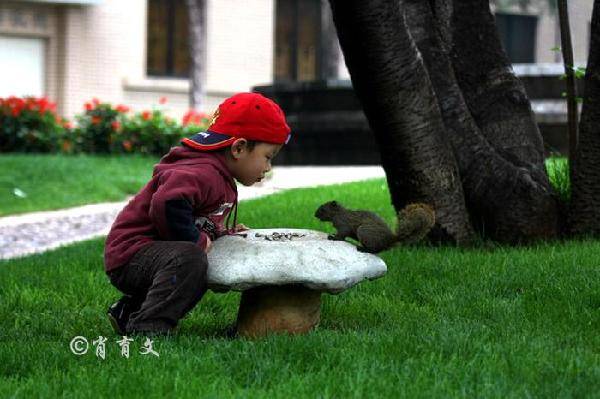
[244,115]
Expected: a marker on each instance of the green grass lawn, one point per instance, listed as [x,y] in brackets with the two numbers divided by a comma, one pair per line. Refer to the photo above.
[36,182]
[444,322]
[44,182]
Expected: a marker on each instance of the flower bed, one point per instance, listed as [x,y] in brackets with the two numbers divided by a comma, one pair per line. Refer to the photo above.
[31,124]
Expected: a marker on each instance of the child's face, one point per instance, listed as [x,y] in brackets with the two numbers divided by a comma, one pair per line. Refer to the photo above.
[249,166]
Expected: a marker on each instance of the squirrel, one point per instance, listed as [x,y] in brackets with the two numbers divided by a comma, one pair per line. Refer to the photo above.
[414,222]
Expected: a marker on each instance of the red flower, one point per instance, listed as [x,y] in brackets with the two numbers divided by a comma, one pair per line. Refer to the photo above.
[115,125]
[162,100]
[43,105]
[88,106]
[66,146]
[186,119]
[122,108]
[193,117]
[15,105]
[96,120]
[127,145]
[146,115]
[67,125]
[30,104]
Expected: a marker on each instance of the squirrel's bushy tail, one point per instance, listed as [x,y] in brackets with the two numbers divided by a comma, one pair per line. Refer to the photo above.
[414,222]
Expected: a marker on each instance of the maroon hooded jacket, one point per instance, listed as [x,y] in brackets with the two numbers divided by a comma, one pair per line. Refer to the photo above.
[189,196]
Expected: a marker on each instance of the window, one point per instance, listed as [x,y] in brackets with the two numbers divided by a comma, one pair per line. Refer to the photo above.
[167,41]
[22,68]
[297,40]
[518,34]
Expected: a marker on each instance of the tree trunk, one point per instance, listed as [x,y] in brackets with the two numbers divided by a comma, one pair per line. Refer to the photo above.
[567,53]
[495,96]
[504,201]
[585,167]
[393,86]
[197,37]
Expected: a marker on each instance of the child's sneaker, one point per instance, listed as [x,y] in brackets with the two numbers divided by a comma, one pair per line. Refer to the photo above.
[119,312]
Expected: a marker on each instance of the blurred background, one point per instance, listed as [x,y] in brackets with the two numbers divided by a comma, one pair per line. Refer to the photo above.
[137,53]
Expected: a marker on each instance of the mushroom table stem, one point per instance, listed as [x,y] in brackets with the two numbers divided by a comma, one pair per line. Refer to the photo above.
[292,309]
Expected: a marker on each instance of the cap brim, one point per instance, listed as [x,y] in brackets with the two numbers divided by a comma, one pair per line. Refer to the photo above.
[207,141]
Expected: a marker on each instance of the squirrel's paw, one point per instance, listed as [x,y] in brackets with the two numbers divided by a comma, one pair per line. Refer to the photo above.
[364,249]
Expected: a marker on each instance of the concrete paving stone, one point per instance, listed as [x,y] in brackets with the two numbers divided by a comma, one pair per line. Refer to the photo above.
[36,232]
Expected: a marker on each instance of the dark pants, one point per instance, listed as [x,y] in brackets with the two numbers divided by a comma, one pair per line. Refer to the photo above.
[168,278]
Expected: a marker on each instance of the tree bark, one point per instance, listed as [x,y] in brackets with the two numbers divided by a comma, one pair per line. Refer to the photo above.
[504,201]
[393,86]
[567,53]
[495,96]
[197,37]
[585,167]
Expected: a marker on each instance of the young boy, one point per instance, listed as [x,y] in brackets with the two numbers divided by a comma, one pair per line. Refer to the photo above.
[156,249]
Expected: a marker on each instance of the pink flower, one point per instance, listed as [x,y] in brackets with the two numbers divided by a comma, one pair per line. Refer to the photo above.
[162,100]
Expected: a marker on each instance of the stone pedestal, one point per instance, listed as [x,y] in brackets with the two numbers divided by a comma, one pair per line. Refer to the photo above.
[282,274]
[291,309]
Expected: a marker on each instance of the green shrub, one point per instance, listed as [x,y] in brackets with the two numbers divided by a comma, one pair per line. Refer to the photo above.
[558,173]
[96,127]
[107,129]
[30,124]
[147,132]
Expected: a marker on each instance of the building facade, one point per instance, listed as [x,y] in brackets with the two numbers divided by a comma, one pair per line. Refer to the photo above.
[135,51]
[73,51]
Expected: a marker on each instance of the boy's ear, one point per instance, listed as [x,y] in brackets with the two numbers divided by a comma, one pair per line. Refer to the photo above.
[238,147]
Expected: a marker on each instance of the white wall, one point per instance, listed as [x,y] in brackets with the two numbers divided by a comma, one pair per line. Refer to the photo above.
[104,45]
[240,44]
[240,41]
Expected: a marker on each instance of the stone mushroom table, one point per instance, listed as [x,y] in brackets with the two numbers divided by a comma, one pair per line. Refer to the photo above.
[282,273]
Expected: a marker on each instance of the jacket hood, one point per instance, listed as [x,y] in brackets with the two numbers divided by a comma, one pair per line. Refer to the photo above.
[186,156]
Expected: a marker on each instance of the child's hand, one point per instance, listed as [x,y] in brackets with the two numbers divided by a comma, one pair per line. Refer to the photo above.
[208,244]
[240,227]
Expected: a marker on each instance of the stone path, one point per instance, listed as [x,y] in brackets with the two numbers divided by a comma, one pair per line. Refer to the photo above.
[40,231]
